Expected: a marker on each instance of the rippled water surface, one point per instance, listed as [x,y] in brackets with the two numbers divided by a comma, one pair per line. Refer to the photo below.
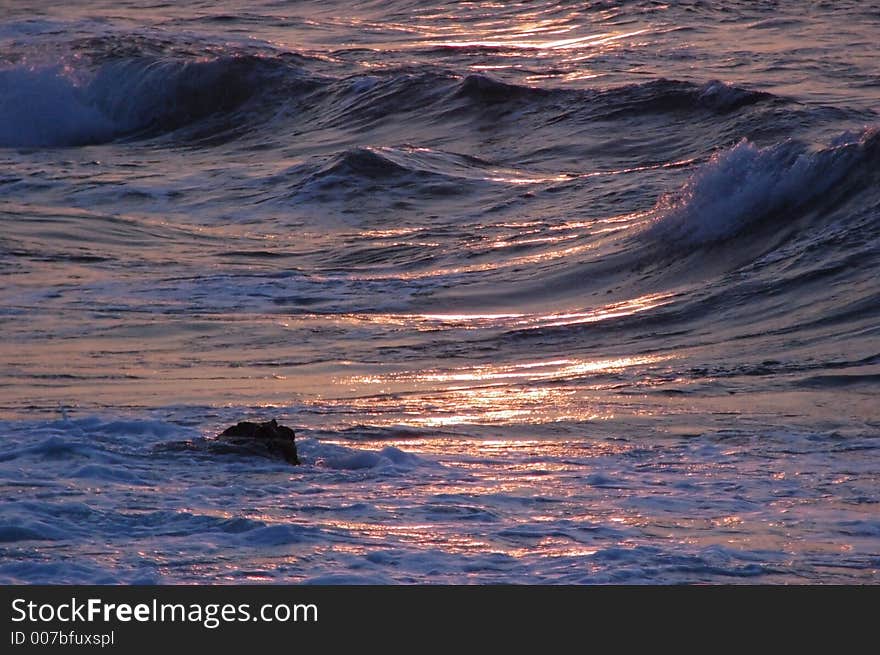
[552,292]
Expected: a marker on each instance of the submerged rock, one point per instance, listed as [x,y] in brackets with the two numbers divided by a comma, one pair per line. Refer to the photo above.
[264,439]
[267,439]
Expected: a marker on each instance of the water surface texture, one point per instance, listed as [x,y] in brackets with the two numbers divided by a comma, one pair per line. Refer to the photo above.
[552,292]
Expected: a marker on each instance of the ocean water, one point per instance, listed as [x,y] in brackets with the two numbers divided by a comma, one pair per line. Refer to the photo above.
[551,292]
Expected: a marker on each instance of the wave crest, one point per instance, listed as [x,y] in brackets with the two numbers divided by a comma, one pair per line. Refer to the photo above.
[63,106]
[743,185]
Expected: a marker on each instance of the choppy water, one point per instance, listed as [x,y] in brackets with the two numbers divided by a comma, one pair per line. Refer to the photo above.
[554,292]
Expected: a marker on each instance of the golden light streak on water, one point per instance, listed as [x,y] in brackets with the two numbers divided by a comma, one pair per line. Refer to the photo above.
[591,40]
[542,370]
[514,320]
[520,393]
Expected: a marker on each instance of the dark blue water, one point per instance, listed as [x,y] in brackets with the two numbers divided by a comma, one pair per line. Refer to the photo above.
[551,291]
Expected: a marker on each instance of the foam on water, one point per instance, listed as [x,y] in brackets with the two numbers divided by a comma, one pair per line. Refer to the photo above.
[44,107]
[561,511]
[744,185]
[69,105]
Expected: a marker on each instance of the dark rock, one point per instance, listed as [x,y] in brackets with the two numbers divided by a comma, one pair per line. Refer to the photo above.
[267,439]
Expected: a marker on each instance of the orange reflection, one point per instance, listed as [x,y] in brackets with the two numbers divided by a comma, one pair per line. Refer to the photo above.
[591,40]
[554,369]
[523,393]
[432,322]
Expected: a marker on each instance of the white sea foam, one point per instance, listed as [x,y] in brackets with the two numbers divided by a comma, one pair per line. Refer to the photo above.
[68,104]
[740,186]
[47,107]
[570,512]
